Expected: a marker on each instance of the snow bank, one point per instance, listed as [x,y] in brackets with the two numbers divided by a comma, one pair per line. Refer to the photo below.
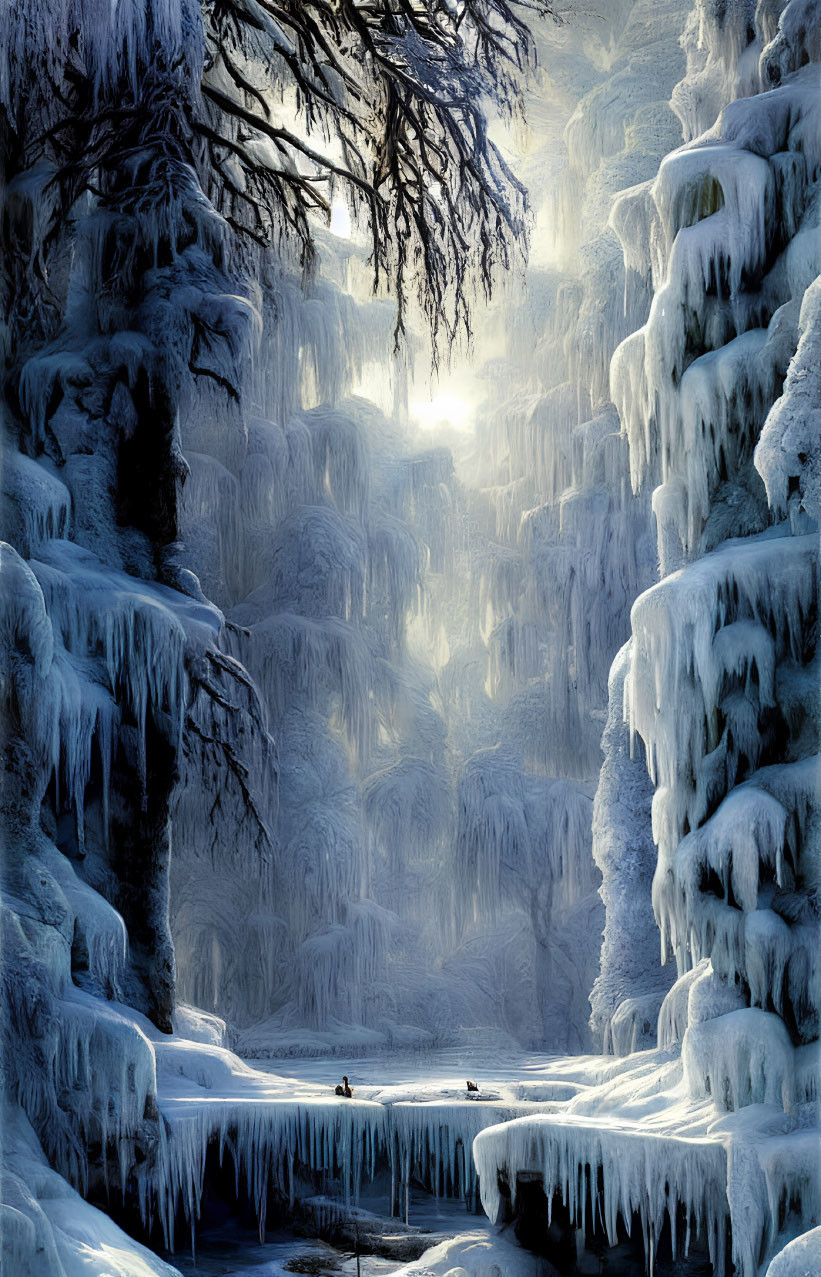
[801,1258]
[474,1255]
[47,1227]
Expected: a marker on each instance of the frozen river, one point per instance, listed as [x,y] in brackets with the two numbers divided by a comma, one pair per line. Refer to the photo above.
[393,1173]
[430,1085]
[424,1075]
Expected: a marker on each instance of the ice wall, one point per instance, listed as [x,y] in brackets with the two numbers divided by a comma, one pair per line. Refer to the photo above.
[354,563]
[719,684]
[323,514]
[104,631]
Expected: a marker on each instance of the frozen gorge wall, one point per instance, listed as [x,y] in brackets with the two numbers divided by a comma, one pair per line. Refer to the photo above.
[718,686]
[721,685]
[370,906]
[104,632]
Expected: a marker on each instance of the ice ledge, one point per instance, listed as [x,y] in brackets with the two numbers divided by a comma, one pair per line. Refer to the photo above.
[634,1143]
[645,1173]
[275,1130]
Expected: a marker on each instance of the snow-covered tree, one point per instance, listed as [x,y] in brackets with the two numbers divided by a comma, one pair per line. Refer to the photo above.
[156,159]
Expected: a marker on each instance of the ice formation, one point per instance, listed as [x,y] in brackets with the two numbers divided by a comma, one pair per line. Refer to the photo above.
[718,685]
[303,708]
[629,990]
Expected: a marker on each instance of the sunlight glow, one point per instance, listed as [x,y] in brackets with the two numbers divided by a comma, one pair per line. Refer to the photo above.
[340,219]
[449,410]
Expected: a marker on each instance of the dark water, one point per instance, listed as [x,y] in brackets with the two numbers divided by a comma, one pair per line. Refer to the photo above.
[231,1250]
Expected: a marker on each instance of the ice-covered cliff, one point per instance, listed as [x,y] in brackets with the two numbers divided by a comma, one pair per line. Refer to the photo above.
[101,624]
[718,685]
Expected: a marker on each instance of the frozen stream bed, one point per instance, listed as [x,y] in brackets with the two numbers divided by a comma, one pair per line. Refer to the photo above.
[411,1121]
[428,1076]
[398,1156]
[401,1157]
[424,1092]
[231,1254]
